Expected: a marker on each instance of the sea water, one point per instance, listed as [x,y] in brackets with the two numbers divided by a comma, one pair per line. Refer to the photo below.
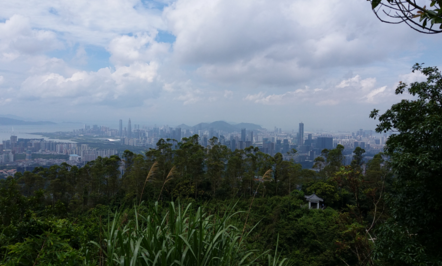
[25,131]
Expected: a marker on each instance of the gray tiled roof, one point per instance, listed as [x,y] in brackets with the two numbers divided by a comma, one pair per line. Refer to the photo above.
[313,198]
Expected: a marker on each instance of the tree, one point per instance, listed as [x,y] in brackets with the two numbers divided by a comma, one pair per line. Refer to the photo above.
[324,190]
[365,209]
[189,162]
[358,157]
[413,236]
[216,158]
[414,14]
[332,162]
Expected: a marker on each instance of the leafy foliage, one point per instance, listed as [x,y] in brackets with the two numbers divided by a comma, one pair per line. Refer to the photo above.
[180,236]
[416,160]
[55,215]
[414,13]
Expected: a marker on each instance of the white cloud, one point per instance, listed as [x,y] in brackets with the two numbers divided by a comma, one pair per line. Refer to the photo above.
[4,101]
[126,83]
[411,77]
[141,47]
[190,97]
[17,38]
[228,94]
[353,89]
[184,92]
[299,95]
[87,22]
[168,87]
[287,52]
[1,79]
[370,97]
[279,43]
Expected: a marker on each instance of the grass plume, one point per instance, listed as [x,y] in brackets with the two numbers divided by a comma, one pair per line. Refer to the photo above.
[266,177]
[168,178]
[152,172]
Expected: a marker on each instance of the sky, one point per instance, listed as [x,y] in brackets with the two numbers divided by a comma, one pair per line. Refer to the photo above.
[326,63]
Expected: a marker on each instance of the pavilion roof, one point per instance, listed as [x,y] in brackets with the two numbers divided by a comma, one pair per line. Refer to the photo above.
[313,198]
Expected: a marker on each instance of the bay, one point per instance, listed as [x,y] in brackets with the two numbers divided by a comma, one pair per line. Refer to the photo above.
[26,130]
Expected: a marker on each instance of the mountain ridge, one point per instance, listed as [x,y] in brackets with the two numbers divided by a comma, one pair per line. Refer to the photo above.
[5,121]
[223,126]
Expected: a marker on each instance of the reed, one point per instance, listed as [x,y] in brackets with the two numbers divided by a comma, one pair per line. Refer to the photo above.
[265,177]
[177,236]
[168,178]
[152,172]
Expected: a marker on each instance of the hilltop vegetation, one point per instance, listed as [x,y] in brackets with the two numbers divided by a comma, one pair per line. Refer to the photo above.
[184,204]
[40,206]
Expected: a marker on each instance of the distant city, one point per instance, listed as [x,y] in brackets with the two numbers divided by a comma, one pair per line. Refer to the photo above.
[91,142]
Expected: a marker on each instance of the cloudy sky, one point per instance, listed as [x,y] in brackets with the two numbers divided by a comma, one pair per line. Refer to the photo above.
[327,63]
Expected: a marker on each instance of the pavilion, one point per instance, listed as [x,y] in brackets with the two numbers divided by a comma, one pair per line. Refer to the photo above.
[313,201]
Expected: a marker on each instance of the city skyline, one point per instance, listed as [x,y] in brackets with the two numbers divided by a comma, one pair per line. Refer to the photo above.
[88,143]
[119,123]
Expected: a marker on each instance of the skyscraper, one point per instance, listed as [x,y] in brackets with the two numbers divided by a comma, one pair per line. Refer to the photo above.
[129,129]
[13,141]
[324,142]
[243,134]
[301,134]
[178,134]
[120,128]
[232,144]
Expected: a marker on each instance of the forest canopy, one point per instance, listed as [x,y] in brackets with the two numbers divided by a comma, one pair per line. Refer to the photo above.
[187,204]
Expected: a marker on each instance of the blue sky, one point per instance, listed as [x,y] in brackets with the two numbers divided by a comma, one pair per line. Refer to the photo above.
[327,63]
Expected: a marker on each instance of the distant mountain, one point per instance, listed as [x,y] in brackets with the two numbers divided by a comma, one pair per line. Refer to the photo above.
[248,126]
[224,126]
[4,121]
[71,122]
[17,117]
[183,126]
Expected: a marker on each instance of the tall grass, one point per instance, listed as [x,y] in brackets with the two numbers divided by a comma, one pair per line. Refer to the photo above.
[178,236]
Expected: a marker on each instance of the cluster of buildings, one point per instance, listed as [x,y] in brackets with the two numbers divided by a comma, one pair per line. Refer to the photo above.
[75,153]
[270,142]
[308,145]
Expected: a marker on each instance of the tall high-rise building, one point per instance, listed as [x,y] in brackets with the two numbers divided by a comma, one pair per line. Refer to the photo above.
[309,141]
[120,128]
[232,144]
[324,142]
[178,134]
[129,129]
[251,136]
[285,146]
[13,141]
[242,145]
[243,134]
[301,134]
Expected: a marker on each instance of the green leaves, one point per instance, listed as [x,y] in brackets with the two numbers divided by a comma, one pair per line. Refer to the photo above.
[375,3]
[177,236]
[414,13]
[415,158]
